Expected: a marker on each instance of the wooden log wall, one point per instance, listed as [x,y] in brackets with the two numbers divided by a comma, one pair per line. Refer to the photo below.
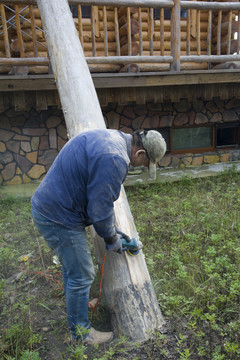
[225,25]
[121,31]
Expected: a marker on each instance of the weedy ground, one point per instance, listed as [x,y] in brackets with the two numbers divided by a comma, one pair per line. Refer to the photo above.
[190,230]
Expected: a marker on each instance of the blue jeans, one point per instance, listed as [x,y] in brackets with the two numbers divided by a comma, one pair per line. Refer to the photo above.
[71,248]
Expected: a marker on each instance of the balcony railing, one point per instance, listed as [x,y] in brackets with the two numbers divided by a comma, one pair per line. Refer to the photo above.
[127,35]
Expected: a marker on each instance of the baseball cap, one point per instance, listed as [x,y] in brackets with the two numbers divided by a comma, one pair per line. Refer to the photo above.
[155,146]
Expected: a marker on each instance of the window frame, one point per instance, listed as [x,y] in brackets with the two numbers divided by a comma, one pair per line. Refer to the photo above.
[234,125]
[196,150]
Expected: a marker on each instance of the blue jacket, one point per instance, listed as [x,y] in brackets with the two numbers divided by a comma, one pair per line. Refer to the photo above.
[84,181]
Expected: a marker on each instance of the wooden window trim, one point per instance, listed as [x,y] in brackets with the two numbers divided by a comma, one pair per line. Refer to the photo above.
[193,151]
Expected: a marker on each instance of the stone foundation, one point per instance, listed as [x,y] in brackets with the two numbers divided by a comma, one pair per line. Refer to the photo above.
[30,141]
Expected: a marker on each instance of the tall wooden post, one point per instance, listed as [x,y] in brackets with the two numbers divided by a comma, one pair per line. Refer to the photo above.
[129,294]
[175,36]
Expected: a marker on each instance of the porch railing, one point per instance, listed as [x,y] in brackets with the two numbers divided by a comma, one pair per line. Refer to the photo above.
[153,34]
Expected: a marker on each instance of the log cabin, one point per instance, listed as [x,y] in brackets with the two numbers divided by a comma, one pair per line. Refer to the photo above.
[168,65]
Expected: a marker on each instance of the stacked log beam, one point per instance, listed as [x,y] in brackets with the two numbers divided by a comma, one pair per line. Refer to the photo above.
[224,25]
[128,29]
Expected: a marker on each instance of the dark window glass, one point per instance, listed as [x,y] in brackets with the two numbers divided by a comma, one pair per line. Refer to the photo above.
[227,135]
[191,138]
[167,14]
[166,135]
[86,11]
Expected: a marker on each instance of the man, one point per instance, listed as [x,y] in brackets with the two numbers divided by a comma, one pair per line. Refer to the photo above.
[79,190]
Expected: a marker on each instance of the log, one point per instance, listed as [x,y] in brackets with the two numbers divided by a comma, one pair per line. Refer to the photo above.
[130,68]
[193,66]
[228,65]
[153,67]
[123,11]
[134,28]
[175,36]
[124,50]
[104,68]
[127,287]
[224,47]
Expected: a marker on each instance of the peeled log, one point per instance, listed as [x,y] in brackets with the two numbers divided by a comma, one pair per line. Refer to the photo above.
[127,287]
[134,28]
[135,49]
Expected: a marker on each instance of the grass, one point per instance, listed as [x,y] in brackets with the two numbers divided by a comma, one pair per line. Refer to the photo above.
[190,230]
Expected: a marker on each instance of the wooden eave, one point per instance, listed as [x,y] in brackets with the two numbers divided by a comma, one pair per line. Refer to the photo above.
[104,81]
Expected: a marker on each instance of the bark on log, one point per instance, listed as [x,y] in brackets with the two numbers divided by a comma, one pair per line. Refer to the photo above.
[127,287]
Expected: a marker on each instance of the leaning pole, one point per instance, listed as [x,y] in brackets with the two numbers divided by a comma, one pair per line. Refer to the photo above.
[128,292]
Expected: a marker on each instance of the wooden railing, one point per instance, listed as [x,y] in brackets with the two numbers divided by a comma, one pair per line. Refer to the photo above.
[122,32]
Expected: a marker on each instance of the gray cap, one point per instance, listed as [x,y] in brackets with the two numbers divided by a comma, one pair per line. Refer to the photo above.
[155,146]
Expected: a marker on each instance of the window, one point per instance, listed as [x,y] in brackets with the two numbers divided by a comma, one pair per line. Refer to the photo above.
[192,138]
[227,135]
[86,11]
[201,138]
[167,14]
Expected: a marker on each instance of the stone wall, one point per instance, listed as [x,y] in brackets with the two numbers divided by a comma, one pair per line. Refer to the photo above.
[182,114]
[30,140]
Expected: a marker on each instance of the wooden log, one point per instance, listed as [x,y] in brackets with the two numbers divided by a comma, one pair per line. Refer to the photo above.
[124,50]
[140,30]
[34,32]
[129,43]
[104,68]
[24,61]
[193,66]
[153,67]
[100,53]
[117,32]
[4,69]
[151,30]
[211,58]
[19,33]
[105,32]
[123,11]
[129,294]
[162,35]
[27,24]
[5,31]
[224,29]
[134,28]
[175,36]
[209,33]
[228,65]
[222,50]
[203,5]
[35,70]
[130,68]
[120,3]
[129,59]
[229,36]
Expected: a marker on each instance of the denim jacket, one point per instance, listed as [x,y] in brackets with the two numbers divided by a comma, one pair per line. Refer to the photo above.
[84,181]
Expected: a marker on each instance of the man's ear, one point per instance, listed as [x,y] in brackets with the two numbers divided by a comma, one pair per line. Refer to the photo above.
[140,152]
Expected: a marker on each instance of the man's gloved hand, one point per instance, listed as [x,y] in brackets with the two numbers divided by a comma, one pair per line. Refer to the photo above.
[123,235]
[114,244]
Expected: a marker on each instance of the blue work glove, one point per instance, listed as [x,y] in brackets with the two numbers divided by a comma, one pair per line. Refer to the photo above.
[123,235]
[114,244]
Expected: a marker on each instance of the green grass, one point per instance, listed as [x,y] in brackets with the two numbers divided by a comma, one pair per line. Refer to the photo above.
[190,230]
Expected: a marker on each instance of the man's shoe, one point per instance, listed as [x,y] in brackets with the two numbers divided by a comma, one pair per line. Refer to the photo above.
[98,337]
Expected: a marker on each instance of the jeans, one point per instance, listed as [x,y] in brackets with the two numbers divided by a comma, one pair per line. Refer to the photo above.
[71,248]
